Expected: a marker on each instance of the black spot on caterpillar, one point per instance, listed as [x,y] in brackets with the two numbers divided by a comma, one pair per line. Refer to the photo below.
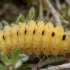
[3,37]
[42,32]
[35,38]
[34,32]
[64,36]
[17,33]
[53,34]
[25,31]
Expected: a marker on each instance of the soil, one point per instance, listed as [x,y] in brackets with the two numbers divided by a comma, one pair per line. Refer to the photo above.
[10,12]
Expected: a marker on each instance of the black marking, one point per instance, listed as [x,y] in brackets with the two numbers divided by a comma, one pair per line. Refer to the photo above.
[44,48]
[53,34]
[43,32]
[33,32]
[35,48]
[17,33]
[64,37]
[25,31]
[3,37]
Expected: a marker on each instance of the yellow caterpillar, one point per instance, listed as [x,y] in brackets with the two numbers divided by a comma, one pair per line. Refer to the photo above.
[35,39]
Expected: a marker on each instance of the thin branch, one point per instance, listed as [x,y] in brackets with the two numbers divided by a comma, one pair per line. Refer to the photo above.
[68,2]
[54,13]
[58,4]
[34,67]
[40,10]
[58,67]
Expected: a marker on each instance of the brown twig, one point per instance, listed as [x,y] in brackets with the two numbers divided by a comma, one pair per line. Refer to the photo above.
[68,2]
[34,67]
[58,4]
[58,67]
[54,13]
[40,10]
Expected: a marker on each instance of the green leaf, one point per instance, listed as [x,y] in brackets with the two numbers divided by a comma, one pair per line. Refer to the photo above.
[25,67]
[2,67]
[68,12]
[1,26]
[5,59]
[18,64]
[20,18]
[31,13]
[52,61]
[23,57]
[15,56]
[64,21]
[5,23]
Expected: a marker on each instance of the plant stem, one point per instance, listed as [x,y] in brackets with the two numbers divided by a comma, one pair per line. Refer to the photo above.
[54,13]
[40,10]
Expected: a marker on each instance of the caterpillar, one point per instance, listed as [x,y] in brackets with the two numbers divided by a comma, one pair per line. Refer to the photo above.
[35,38]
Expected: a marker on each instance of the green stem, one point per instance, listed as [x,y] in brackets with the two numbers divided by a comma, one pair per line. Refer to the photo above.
[40,10]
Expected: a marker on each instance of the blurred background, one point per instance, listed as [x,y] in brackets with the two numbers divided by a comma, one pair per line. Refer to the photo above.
[56,11]
[10,9]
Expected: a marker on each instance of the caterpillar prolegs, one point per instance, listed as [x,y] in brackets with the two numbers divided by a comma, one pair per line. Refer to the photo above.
[35,38]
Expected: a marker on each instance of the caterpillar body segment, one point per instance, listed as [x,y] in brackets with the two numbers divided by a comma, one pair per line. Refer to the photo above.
[56,40]
[29,37]
[2,44]
[65,45]
[21,36]
[14,37]
[35,38]
[46,38]
[7,39]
